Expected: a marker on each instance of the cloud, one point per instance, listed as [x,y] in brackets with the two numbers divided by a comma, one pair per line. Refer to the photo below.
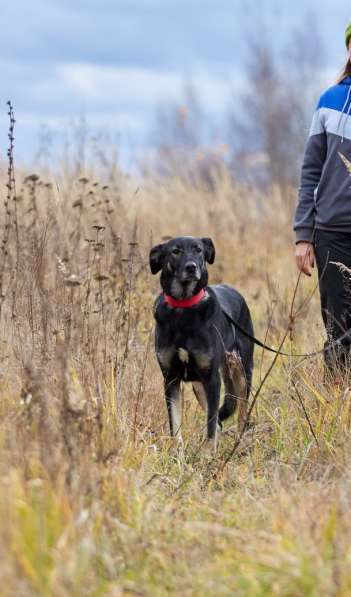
[136,86]
[68,88]
[121,100]
[132,85]
[116,60]
[152,34]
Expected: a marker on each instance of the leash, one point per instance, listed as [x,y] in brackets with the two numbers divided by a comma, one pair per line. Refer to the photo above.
[287,354]
[186,303]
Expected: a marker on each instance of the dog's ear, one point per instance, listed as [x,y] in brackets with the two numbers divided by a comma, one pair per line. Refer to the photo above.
[210,251]
[156,258]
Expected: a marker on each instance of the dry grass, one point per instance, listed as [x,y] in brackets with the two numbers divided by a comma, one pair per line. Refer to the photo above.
[93,498]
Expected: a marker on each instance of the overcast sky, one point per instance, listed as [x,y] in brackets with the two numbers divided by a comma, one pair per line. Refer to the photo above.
[115,61]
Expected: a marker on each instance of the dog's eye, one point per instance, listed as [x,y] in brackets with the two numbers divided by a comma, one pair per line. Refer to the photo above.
[176,251]
[198,249]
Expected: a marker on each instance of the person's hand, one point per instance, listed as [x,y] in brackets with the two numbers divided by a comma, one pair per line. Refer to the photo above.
[304,254]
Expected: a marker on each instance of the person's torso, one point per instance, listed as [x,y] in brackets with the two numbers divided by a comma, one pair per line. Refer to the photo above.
[333,195]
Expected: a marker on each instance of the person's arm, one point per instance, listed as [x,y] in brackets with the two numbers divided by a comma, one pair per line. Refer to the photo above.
[312,166]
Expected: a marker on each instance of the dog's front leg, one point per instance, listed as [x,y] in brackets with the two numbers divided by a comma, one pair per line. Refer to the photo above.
[212,387]
[174,407]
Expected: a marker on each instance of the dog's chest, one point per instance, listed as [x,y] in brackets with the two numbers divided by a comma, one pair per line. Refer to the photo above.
[187,361]
[185,344]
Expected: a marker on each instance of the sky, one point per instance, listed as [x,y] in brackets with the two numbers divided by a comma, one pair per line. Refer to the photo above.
[114,62]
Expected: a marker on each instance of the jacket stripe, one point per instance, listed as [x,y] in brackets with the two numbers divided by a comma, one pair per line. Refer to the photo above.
[326,120]
[325,185]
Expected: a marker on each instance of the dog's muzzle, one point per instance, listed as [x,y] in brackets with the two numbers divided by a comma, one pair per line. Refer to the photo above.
[191,272]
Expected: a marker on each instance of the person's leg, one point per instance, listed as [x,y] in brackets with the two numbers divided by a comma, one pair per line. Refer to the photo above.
[335,291]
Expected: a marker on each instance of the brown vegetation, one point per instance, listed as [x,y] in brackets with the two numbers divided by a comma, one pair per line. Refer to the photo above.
[93,498]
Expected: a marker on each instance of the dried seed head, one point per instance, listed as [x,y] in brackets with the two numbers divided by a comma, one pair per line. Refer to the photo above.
[31,178]
[101,277]
[76,399]
[72,281]
[98,246]
[61,266]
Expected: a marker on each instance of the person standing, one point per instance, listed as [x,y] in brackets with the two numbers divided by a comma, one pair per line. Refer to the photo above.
[323,214]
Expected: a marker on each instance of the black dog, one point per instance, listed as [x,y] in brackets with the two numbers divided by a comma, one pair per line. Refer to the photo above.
[195,340]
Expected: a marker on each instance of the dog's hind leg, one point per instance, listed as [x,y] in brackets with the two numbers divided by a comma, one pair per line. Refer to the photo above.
[201,397]
[200,394]
[230,398]
[235,389]
[174,407]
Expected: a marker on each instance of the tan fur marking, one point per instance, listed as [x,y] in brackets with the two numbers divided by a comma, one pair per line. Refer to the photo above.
[200,394]
[202,359]
[183,355]
[165,356]
[176,414]
[177,418]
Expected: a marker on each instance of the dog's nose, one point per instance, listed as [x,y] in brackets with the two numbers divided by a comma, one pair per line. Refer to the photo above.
[190,267]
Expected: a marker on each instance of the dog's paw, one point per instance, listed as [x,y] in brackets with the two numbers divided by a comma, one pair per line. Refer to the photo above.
[209,447]
[177,447]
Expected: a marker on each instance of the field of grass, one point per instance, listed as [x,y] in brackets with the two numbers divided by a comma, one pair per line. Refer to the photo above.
[94,498]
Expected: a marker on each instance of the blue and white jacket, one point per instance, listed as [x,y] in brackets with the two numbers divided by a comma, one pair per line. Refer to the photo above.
[325,189]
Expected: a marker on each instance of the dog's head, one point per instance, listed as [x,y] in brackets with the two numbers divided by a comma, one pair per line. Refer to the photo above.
[182,262]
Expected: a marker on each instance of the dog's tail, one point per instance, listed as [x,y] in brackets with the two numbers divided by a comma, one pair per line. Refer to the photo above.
[228,407]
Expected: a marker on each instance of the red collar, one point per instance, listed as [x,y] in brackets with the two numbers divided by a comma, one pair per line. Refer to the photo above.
[184,304]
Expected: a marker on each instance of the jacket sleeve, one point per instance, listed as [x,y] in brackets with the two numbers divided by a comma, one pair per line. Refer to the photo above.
[312,166]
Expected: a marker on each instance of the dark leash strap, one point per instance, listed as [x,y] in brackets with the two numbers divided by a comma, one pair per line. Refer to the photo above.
[237,326]
[327,348]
